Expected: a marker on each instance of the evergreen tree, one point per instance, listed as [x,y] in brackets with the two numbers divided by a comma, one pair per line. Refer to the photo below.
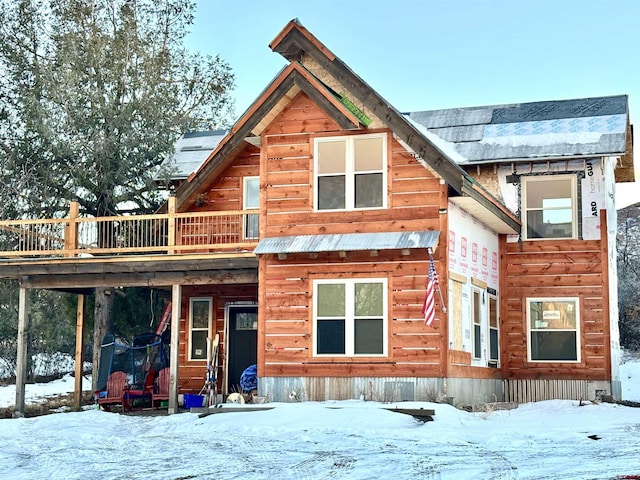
[93,94]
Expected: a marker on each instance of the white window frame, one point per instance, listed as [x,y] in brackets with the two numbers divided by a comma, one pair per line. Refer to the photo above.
[576,301]
[493,361]
[481,324]
[526,180]
[350,173]
[350,316]
[192,300]
[247,206]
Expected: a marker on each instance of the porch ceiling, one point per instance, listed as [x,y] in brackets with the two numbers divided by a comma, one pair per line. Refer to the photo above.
[83,274]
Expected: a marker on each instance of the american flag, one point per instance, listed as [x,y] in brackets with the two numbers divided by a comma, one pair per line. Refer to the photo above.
[429,306]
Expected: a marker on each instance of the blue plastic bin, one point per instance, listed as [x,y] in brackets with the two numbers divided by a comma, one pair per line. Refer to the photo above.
[193,401]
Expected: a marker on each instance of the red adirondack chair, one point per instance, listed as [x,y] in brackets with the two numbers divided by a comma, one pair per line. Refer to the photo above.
[116,386]
[161,392]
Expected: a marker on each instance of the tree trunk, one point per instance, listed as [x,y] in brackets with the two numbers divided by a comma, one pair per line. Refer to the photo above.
[102,311]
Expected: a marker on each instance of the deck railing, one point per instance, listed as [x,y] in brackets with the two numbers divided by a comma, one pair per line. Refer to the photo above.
[158,233]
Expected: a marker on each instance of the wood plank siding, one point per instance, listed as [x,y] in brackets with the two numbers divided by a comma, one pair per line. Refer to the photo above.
[285,335]
[555,268]
[193,373]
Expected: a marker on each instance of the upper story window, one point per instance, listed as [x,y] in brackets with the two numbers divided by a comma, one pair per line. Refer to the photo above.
[549,206]
[350,172]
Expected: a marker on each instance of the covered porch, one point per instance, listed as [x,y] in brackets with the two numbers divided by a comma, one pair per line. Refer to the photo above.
[172,251]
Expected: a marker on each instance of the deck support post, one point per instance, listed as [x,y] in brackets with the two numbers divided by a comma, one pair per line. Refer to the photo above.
[21,360]
[176,293]
[79,370]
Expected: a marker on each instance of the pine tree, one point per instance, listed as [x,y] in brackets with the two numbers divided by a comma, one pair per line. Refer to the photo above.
[93,94]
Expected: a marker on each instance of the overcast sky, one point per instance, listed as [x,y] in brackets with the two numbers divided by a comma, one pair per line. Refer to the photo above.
[430,54]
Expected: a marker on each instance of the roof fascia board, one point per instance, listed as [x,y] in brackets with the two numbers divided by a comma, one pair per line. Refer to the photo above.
[287,46]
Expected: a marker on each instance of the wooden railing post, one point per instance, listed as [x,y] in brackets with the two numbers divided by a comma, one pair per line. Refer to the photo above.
[71,230]
[171,228]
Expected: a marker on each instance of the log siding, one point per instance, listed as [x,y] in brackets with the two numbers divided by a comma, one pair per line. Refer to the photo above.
[547,269]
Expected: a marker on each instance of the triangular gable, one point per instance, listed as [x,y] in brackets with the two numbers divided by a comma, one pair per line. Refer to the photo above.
[297,44]
[292,79]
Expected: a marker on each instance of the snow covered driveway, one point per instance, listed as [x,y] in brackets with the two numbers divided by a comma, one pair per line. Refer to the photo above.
[358,440]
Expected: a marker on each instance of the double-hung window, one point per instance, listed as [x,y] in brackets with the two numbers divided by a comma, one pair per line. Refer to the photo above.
[350,317]
[553,329]
[200,315]
[549,206]
[350,172]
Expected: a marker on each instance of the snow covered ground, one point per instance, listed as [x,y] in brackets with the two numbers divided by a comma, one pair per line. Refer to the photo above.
[344,440]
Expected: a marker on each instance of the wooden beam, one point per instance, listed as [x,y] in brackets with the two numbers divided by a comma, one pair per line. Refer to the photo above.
[77,388]
[21,360]
[13,270]
[147,279]
[176,294]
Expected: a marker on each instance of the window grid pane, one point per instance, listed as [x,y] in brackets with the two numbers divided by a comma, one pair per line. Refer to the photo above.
[368,153]
[331,193]
[368,190]
[200,314]
[331,337]
[368,337]
[332,157]
[331,300]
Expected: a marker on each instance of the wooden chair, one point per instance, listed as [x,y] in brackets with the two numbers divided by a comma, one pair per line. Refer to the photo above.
[116,386]
[161,392]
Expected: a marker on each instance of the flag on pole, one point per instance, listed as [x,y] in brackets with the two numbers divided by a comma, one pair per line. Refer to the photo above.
[429,306]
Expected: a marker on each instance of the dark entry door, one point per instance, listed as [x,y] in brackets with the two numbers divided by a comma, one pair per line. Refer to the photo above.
[243,343]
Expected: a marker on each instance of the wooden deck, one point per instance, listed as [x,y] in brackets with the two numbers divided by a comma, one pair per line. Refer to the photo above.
[166,233]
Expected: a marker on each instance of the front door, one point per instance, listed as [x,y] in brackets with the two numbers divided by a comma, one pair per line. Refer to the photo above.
[242,343]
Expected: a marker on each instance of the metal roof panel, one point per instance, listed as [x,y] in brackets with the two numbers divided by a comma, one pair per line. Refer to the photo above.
[348,242]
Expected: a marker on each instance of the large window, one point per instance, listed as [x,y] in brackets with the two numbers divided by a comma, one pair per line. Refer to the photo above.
[350,172]
[553,329]
[549,206]
[350,317]
[199,327]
